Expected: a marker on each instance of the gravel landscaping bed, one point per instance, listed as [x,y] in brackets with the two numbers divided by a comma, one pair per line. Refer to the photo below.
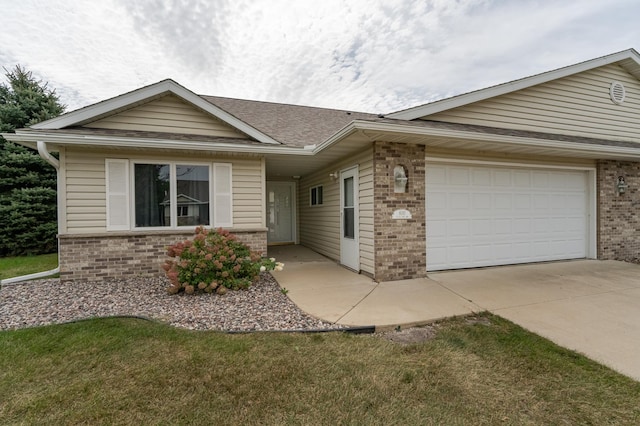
[263,307]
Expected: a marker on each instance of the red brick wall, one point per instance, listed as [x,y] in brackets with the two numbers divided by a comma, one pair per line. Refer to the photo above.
[618,215]
[400,244]
[94,257]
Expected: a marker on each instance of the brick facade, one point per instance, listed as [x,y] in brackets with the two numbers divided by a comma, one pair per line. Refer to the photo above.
[400,244]
[97,256]
[618,215]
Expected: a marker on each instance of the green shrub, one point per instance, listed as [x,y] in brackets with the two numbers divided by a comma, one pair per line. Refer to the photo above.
[214,260]
[28,223]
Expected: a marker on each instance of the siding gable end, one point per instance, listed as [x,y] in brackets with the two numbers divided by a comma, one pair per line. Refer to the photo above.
[577,105]
[168,114]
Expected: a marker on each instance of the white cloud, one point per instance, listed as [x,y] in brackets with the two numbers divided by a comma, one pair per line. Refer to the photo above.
[373,55]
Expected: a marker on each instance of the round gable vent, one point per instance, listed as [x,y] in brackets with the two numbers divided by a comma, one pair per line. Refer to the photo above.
[617,92]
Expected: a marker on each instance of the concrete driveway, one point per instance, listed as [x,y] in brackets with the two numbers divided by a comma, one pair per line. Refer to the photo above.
[589,306]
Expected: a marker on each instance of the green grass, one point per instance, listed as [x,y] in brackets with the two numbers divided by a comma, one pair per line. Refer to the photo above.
[24,265]
[129,371]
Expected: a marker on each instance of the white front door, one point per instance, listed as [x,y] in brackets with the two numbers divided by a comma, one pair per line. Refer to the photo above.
[281,212]
[349,246]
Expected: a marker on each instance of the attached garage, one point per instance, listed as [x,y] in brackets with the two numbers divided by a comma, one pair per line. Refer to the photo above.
[486,214]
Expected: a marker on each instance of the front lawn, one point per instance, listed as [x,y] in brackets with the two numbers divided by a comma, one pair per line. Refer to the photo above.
[16,266]
[130,371]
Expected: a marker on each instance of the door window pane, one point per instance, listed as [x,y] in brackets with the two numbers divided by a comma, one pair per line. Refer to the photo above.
[192,186]
[348,192]
[348,210]
[349,228]
[152,195]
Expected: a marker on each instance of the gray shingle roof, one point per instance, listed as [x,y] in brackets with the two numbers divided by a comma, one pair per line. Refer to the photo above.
[293,125]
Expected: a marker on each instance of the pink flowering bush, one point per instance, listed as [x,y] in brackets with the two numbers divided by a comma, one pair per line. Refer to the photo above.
[213,261]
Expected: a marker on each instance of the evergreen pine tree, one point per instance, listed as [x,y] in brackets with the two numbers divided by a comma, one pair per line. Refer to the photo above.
[28,223]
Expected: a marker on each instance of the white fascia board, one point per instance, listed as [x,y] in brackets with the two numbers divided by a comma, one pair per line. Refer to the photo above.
[335,138]
[166,86]
[503,139]
[502,89]
[31,138]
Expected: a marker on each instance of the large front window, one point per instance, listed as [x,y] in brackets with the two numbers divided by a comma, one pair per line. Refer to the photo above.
[192,195]
[171,195]
[152,194]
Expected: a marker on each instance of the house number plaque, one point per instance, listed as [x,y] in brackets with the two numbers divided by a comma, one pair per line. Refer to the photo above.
[401,214]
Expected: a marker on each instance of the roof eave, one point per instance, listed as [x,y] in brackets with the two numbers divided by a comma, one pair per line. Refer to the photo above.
[593,150]
[30,139]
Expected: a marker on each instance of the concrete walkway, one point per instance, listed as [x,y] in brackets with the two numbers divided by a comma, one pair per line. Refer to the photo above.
[585,305]
[326,290]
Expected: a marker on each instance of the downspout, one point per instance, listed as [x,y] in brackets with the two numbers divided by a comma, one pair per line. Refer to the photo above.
[46,156]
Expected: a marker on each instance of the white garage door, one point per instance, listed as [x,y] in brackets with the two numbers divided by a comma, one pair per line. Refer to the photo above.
[483,216]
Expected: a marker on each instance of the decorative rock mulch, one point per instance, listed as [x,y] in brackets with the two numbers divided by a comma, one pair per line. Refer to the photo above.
[263,307]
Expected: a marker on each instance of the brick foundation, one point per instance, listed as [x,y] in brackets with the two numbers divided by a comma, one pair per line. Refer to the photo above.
[400,244]
[618,215]
[97,256]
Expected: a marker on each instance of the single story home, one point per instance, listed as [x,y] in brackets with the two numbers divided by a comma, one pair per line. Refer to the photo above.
[538,169]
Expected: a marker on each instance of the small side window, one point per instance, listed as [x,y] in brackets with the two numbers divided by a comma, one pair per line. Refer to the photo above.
[316,195]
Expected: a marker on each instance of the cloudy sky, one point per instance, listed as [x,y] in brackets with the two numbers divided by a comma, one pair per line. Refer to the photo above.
[366,55]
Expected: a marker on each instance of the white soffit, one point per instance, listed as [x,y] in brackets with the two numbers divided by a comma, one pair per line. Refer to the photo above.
[628,59]
[137,97]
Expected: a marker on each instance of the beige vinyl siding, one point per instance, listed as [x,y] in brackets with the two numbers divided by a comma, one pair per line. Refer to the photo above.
[86,188]
[320,225]
[168,114]
[248,181]
[85,192]
[577,105]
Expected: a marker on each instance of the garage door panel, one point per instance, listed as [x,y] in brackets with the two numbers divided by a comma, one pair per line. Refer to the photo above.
[522,226]
[459,176]
[481,201]
[558,201]
[458,228]
[438,228]
[436,175]
[540,180]
[481,177]
[439,257]
[520,252]
[503,226]
[459,201]
[522,179]
[503,201]
[502,178]
[482,253]
[459,254]
[482,216]
[573,181]
[540,201]
[437,201]
[575,202]
[503,251]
